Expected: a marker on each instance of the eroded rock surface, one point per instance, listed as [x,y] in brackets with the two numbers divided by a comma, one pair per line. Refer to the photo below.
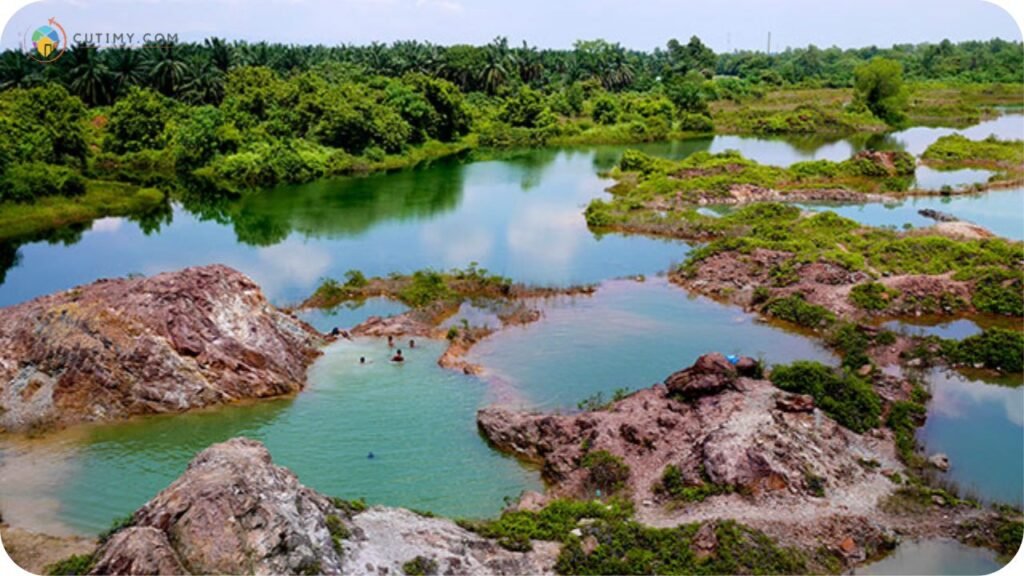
[715,423]
[167,343]
[234,512]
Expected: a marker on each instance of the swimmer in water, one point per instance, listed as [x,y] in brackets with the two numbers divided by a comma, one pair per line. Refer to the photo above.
[398,357]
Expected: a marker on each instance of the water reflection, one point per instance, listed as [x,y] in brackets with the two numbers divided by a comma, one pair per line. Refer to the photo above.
[981,427]
[519,214]
[937,557]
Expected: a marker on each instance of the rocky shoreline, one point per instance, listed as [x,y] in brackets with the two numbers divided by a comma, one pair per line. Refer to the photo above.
[233,511]
[738,449]
[168,343]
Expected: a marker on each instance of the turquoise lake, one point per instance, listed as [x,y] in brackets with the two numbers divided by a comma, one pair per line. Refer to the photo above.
[519,216]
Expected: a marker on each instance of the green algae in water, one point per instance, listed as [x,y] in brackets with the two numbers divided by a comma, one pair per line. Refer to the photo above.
[416,418]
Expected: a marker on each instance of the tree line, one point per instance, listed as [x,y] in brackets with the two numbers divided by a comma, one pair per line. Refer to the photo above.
[196,73]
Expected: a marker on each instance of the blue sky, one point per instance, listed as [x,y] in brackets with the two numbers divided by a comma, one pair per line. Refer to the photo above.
[643,24]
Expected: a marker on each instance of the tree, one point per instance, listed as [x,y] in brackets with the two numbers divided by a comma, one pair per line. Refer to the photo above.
[687,93]
[878,85]
[166,68]
[137,122]
[126,69]
[89,77]
[694,56]
[525,108]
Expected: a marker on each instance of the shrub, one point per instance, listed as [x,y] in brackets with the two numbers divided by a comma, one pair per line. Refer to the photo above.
[795,309]
[872,296]
[338,531]
[632,548]
[607,472]
[903,420]
[420,566]
[675,487]
[355,279]
[72,565]
[425,287]
[514,529]
[32,180]
[695,122]
[1000,292]
[848,399]
[606,110]
[994,348]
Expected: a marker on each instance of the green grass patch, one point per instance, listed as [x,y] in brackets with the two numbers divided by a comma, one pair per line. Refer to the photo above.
[72,565]
[100,199]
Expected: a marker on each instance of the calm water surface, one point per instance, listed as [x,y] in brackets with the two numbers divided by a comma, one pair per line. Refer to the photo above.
[628,335]
[520,216]
[936,557]
[980,426]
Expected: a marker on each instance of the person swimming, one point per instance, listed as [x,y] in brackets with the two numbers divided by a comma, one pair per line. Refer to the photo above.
[362,359]
[398,356]
[412,343]
[369,456]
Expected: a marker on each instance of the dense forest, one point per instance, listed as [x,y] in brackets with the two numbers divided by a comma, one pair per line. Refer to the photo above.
[196,73]
[228,117]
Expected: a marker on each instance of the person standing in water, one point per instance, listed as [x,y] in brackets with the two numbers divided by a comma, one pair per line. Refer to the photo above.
[391,341]
[412,343]
[398,356]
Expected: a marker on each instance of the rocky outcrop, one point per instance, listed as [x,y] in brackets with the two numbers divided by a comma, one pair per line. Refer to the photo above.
[719,426]
[734,276]
[167,343]
[234,512]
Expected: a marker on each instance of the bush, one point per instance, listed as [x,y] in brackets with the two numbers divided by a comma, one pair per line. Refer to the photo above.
[872,296]
[999,292]
[72,565]
[425,287]
[903,420]
[420,566]
[608,473]
[606,110]
[795,309]
[26,182]
[338,532]
[848,399]
[695,122]
[514,529]
[632,548]
[994,348]
[355,279]
[675,487]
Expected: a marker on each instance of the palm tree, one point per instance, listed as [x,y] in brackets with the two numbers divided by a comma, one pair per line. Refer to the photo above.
[166,68]
[203,82]
[126,68]
[499,61]
[88,77]
[531,68]
[18,71]
[220,53]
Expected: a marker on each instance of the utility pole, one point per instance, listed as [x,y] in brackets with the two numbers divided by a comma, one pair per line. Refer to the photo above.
[769,42]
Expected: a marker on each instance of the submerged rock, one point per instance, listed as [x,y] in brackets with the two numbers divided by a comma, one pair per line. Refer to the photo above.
[234,512]
[940,461]
[171,342]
